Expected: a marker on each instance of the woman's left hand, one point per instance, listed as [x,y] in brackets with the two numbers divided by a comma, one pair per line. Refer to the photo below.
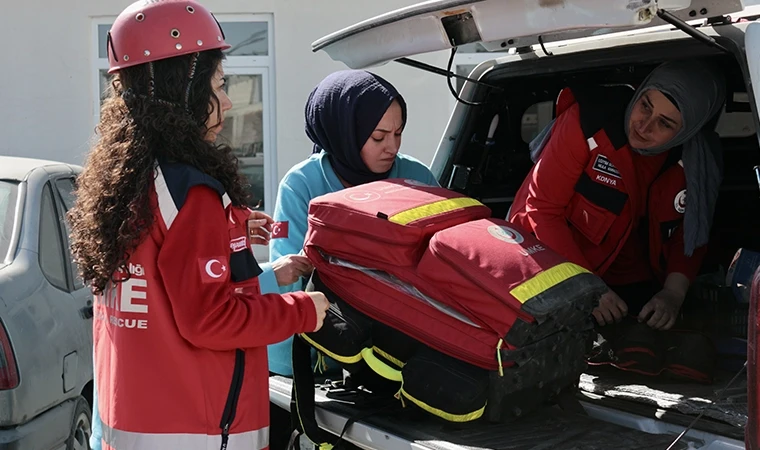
[664,308]
[259,227]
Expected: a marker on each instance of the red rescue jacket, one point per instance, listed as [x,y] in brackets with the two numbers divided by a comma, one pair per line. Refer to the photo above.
[667,205]
[588,193]
[180,346]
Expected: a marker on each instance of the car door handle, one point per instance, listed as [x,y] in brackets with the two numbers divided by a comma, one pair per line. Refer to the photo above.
[86,312]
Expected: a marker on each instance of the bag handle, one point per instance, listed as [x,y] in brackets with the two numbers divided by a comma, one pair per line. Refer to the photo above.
[379,367]
[302,404]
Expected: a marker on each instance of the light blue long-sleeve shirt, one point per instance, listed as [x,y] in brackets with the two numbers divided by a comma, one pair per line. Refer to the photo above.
[305,181]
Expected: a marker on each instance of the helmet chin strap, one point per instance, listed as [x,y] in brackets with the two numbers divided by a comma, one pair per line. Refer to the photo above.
[151,81]
[190,76]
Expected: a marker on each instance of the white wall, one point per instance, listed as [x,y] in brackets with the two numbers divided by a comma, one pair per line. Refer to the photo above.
[46,87]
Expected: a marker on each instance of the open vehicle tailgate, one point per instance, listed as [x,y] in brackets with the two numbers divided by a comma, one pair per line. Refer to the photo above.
[551,428]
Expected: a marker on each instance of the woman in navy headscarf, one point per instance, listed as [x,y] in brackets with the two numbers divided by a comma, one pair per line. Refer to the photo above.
[355,120]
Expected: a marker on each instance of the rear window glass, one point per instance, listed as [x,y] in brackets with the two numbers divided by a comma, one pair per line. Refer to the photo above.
[8,192]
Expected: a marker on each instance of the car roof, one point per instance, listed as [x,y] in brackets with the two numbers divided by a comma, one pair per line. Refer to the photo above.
[17,168]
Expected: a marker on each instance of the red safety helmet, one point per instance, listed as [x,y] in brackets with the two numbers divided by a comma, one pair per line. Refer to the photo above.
[151,30]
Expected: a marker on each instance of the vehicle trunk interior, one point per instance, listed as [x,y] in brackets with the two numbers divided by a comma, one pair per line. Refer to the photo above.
[496,170]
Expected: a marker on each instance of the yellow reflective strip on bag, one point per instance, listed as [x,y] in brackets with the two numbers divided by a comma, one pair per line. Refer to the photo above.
[545,280]
[344,359]
[387,356]
[443,414]
[432,209]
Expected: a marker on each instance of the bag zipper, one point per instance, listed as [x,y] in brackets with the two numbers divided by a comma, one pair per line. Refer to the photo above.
[230,408]
[397,241]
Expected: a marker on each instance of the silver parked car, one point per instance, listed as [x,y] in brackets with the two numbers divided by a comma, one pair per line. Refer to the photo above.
[45,312]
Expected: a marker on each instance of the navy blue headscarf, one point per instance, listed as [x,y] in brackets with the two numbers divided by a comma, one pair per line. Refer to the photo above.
[341,114]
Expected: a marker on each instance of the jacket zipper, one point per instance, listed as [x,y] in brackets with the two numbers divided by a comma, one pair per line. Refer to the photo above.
[437,343]
[230,408]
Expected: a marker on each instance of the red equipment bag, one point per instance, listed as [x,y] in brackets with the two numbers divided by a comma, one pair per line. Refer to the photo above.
[493,270]
[386,223]
[480,290]
[418,275]
[388,300]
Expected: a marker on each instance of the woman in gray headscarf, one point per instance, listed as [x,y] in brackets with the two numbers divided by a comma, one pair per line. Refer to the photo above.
[605,167]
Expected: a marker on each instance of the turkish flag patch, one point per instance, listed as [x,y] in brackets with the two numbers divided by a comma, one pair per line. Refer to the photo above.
[279,230]
[213,270]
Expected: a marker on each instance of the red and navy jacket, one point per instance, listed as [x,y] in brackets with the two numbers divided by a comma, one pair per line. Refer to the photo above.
[667,205]
[588,193]
[180,341]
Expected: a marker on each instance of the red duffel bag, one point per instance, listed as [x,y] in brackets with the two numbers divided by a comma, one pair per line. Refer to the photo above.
[416,275]
[386,223]
[488,266]
[448,259]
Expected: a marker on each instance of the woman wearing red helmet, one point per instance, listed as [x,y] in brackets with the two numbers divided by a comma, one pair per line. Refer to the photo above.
[162,233]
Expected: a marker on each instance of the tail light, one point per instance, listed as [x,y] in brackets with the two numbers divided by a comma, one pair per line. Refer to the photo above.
[8,369]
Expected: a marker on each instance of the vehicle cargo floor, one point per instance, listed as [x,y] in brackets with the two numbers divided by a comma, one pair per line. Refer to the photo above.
[729,407]
[550,428]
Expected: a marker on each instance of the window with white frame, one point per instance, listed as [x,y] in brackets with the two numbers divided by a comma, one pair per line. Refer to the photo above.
[249,67]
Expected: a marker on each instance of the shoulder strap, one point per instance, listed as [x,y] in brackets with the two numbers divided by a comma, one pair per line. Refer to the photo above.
[302,407]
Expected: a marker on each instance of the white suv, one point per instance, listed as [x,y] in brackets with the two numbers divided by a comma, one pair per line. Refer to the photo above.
[550,45]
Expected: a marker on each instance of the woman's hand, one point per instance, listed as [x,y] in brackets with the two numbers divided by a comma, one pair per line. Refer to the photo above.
[611,309]
[259,227]
[666,304]
[290,268]
[663,307]
[321,305]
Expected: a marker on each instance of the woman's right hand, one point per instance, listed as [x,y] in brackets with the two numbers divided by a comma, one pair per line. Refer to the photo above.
[321,305]
[611,309]
[290,268]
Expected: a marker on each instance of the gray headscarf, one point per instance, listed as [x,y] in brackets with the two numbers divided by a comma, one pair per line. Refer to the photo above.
[699,92]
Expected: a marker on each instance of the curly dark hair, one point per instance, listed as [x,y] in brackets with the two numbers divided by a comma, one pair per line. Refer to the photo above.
[113,211]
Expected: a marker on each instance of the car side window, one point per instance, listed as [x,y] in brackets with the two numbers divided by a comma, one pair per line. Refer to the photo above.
[65,187]
[51,249]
